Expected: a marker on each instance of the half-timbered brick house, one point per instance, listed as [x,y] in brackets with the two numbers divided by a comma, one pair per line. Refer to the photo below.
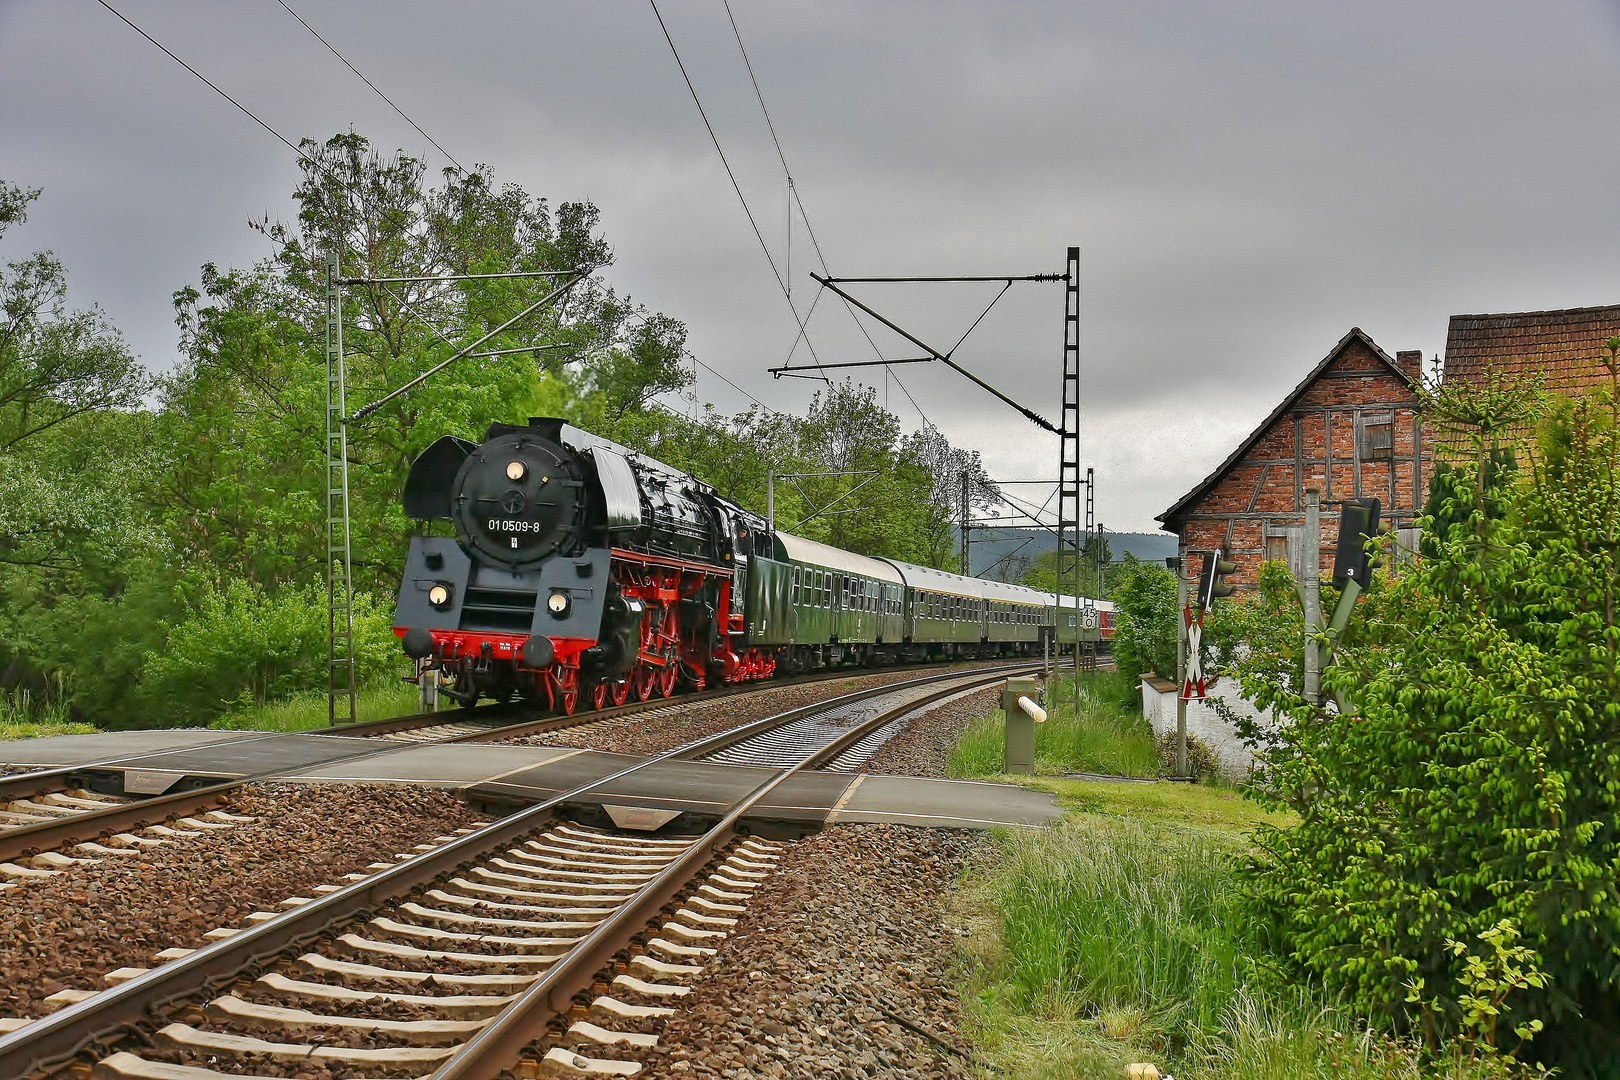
[1349,429]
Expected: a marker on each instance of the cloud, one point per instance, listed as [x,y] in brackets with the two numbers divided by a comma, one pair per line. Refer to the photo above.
[1246,181]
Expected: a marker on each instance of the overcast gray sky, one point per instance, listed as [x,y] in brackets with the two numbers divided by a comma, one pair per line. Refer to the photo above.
[1246,181]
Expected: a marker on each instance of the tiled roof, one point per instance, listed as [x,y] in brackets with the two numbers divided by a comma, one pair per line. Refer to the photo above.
[1170,520]
[1562,346]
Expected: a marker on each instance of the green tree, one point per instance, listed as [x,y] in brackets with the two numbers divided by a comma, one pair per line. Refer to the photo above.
[1146,622]
[245,414]
[65,377]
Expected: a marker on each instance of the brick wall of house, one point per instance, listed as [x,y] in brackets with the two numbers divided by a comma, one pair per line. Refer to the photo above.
[1254,506]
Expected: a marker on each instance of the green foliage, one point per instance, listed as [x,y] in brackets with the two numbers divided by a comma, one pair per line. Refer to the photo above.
[1476,776]
[1483,988]
[241,645]
[1146,624]
[1201,760]
[1123,935]
[65,378]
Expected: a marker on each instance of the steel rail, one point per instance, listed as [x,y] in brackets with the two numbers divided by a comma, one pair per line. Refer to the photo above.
[50,1041]
[499,1045]
[55,777]
[25,840]
[495,710]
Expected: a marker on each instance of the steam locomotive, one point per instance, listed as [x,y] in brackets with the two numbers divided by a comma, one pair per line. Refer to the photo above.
[579,567]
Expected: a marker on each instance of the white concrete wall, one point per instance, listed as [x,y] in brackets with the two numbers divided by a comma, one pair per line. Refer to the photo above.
[1159,709]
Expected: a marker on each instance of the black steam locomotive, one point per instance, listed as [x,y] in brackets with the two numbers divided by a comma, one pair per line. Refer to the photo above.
[581,567]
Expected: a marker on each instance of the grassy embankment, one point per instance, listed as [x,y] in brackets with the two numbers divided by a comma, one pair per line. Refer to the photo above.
[1117,936]
[307,709]
[1102,737]
[18,721]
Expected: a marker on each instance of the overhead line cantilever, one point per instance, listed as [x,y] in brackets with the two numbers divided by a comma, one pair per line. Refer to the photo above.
[1034,417]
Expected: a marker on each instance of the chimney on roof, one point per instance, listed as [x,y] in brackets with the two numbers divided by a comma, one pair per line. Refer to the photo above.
[1410,361]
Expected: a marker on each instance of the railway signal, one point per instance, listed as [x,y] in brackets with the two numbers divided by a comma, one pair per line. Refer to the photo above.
[1193,684]
[1210,585]
[1358,524]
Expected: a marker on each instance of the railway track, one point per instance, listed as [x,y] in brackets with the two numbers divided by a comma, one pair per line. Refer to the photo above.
[465,959]
[495,722]
[49,818]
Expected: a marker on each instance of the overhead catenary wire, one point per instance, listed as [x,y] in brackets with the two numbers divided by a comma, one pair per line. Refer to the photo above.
[373,85]
[735,186]
[216,89]
[793,194]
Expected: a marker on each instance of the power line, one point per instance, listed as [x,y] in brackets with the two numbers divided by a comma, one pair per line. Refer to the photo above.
[728,382]
[763,246]
[909,398]
[738,34]
[793,188]
[216,89]
[371,84]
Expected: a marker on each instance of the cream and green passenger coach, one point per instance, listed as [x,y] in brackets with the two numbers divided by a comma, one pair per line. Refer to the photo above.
[820,605]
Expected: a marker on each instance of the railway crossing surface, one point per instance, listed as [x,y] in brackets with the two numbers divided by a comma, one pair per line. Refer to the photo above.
[522,775]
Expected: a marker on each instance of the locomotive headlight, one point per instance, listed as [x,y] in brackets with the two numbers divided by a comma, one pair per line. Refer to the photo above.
[515,471]
[439,596]
[558,604]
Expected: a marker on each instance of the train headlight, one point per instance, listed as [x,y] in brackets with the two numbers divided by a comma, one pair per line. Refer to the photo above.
[558,604]
[439,596]
[515,471]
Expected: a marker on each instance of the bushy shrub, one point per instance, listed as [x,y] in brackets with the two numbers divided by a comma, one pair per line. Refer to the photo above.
[241,643]
[1201,760]
[1474,777]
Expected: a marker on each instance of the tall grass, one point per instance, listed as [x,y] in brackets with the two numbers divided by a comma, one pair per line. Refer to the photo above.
[307,709]
[19,719]
[1122,918]
[1104,940]
[1102,736]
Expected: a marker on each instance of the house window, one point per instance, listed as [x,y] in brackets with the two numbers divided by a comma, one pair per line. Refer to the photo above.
[1277,548]
[1378,440]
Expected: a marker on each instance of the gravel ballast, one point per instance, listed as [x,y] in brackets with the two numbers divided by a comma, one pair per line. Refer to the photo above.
[923,747]
[67,932]
[837,969]
[679,723]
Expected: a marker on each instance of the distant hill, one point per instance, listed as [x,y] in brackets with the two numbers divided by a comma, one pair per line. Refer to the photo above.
[1011,547]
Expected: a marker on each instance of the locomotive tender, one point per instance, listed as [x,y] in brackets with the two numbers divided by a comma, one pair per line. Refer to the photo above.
[580,567]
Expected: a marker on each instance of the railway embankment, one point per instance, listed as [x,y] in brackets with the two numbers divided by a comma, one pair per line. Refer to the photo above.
[841,966]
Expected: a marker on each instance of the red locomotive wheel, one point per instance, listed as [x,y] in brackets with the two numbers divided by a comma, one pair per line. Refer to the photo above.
[646,679]
[621,690]
[601,694]
[666,680]
[567,696]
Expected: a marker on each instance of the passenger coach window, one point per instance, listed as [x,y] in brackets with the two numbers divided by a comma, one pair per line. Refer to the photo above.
[795,585]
